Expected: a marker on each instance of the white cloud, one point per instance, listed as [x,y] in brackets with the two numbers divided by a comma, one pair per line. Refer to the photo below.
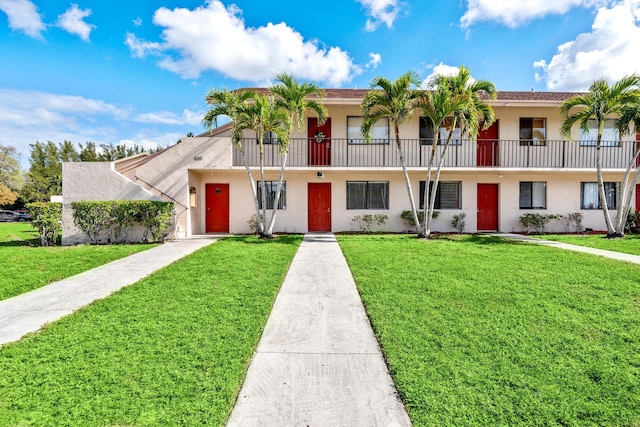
[514,13]
[72,21]
[380,12]
[23,16]
[215,38]
[30,116]
[374,60]
[137,22]
[609,51]
[442,70]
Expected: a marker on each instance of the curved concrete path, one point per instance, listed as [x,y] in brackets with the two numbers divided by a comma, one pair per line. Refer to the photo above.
[318,362]
[31,311]
[635,259]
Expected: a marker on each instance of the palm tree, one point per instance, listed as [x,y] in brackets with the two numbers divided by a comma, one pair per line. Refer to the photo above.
[396,101]
[264,116]
[462,99]
[621,101]
[231,104]
[294,98]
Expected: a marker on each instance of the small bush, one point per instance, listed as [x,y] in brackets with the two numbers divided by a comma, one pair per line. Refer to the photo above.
[458,222]
[573,222]
[366,221]
[407,217]
[538,221]
[47,219]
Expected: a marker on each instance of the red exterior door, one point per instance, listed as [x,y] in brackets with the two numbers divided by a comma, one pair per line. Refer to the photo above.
[487,154]
[319,142]
[217,201]
[319,206]
[487,207]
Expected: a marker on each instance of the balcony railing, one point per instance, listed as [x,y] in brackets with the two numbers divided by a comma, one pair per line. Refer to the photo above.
[460,154]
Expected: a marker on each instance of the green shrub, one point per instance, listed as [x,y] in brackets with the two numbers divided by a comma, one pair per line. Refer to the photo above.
[537,221]
[366,221]
[116,218]
[47,219]
[458,222]
[407,217]
[573,222]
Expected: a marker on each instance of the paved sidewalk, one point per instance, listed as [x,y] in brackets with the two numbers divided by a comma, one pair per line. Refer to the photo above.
[318,362]
[31,311]
[635,259]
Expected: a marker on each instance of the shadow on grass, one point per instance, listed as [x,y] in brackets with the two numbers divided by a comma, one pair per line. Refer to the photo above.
[14,243]
[478,239]
[284,239]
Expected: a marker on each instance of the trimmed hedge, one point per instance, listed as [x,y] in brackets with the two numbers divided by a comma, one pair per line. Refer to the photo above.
[117,218]
[47,219]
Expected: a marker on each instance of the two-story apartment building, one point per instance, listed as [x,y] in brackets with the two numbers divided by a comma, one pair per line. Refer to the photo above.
[520,164]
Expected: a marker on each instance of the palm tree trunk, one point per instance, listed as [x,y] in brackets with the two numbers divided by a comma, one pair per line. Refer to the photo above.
[601,194]
[252,184]
[426,227]
[263,214]
[407,182]
[627,193]
[436,179]
[276,200]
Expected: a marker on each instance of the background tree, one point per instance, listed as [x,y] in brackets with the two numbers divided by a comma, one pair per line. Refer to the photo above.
[620,101]
[10,178]
[463,101]
[396,101]
[296,99]
[44,177]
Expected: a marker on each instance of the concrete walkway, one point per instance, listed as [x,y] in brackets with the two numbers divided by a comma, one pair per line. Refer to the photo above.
[635,259]
[31,311]
[318,362]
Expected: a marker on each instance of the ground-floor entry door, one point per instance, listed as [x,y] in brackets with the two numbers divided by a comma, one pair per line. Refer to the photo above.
[487,207]
[319,206]
[217,202]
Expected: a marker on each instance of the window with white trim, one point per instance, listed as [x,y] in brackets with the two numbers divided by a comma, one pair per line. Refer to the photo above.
[448,195]
[589,198]
[367,195]
[533,195]
[533,131]
[379,131]
[271,187]
[610,134]
[426,133]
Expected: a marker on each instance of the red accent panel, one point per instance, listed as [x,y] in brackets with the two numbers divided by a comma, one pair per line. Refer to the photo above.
[488,143]
[319,209]
[487,207]
[217,215]
[319,142]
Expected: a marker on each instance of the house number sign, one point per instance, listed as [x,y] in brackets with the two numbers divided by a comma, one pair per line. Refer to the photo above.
[197,158]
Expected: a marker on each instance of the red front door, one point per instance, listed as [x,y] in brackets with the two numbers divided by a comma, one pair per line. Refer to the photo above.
[217,201]
[319,206]
[487,207]
[319,142]
[487,151]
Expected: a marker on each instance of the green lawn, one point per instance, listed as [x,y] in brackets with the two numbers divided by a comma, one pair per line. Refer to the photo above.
[25,266]
[479,331]
[171,350]
[629,244]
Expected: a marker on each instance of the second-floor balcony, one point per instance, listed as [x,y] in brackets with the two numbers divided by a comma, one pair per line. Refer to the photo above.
[518,154]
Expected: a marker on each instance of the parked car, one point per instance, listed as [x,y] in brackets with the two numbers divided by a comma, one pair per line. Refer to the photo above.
[14,216]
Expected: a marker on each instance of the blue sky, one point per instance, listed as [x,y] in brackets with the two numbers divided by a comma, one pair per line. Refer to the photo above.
[136,72]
